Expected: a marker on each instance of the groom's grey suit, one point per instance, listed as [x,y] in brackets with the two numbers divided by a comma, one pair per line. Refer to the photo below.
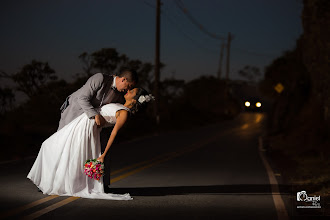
[96,92]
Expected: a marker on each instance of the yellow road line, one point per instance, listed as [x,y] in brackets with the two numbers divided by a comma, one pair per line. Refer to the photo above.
[151,160]
[25,207]
[50,208]
[66,201]
[142,168]
[158,160]
[245,126]
[171,156]
[187,149]
[43,200]
[139,164]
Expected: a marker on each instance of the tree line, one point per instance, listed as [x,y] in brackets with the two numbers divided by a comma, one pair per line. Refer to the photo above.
[181,103]
[299,122]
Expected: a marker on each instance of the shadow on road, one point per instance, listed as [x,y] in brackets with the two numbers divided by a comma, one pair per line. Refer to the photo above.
[213,189]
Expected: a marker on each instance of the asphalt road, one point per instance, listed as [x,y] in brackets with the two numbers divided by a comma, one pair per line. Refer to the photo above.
[212,172]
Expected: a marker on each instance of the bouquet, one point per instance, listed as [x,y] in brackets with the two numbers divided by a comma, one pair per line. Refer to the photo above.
[94,169]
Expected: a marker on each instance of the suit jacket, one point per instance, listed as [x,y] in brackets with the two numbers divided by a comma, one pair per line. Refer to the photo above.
[95,93]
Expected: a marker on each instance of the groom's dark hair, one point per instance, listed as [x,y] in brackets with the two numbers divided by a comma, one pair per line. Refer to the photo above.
[130,74]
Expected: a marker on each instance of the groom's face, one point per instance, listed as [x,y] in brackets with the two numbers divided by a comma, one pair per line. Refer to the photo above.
[123,85]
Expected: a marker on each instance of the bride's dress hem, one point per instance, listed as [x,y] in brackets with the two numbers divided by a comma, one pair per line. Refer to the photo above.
[58,168]
[92,195]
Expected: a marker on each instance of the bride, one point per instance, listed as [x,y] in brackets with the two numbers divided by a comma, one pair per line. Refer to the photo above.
[58,169]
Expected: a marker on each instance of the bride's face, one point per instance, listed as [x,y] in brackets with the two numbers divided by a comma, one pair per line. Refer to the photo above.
[130,94]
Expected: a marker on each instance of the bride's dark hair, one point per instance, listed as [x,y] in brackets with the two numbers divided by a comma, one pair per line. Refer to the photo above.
[138,106]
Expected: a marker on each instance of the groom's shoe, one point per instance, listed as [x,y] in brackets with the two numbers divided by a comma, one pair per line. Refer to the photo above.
[107,189]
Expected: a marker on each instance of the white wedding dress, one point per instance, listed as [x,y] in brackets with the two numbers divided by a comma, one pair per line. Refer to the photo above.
[58,169]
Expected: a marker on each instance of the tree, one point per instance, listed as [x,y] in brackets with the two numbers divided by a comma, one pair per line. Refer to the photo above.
[143,70]
[88,64]
[110,61]
[290,71]
[250,72]
[172,88]
[7,98]
[33,77]
[107,59]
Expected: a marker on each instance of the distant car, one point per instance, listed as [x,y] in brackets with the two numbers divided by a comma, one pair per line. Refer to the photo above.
[252,104]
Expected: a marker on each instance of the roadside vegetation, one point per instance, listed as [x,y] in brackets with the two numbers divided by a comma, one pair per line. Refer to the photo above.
[299,121]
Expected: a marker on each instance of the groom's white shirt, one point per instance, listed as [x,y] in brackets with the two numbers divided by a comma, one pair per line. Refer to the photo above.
[113,86]
[114,83]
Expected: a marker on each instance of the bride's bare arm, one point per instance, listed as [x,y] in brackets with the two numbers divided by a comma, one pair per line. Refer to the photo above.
[121,120]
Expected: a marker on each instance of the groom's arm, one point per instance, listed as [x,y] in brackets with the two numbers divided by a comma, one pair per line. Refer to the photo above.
[87,92]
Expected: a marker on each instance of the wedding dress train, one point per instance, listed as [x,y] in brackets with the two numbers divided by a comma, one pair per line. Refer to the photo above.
[58,169]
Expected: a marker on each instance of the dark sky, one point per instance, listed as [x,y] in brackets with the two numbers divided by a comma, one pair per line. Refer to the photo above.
[59,31]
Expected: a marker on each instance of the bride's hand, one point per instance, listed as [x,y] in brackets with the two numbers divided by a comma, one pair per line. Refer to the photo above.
[101,159]
[99,120]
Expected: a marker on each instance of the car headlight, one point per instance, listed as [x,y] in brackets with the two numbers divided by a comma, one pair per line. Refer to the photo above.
[258,104]
[247,104]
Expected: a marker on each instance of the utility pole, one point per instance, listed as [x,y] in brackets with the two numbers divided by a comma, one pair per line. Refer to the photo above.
[157,62]
[227,89]
[220,61]
[228,55]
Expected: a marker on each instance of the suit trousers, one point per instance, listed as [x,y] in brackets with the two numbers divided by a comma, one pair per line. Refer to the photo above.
[104,136]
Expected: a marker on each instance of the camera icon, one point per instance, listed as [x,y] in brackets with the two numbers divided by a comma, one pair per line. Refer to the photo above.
[301,196]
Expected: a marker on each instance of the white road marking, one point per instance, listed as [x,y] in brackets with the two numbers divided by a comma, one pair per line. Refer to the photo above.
[279,204]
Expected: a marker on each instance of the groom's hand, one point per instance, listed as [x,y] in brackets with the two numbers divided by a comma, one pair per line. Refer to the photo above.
[99,120]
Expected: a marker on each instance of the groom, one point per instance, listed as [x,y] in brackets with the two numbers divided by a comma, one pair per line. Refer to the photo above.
[100,89]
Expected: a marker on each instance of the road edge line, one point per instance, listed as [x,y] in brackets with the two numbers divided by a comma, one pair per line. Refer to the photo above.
[282,213]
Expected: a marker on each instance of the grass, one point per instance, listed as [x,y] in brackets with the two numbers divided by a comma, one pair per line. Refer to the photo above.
[303,163]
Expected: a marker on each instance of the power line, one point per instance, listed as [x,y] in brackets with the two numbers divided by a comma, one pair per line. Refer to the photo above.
[175,24]
[149,4]
[181,6]
[180,28]
[254,53]
[157,62]
[194,21]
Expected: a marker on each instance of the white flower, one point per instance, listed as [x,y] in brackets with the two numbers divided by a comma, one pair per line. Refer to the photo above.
[146,98]
[141,99]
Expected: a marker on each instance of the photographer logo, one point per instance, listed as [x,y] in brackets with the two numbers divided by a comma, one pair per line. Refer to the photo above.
[314,202]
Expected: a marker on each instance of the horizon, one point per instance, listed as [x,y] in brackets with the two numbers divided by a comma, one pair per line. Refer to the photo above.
[58,32]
